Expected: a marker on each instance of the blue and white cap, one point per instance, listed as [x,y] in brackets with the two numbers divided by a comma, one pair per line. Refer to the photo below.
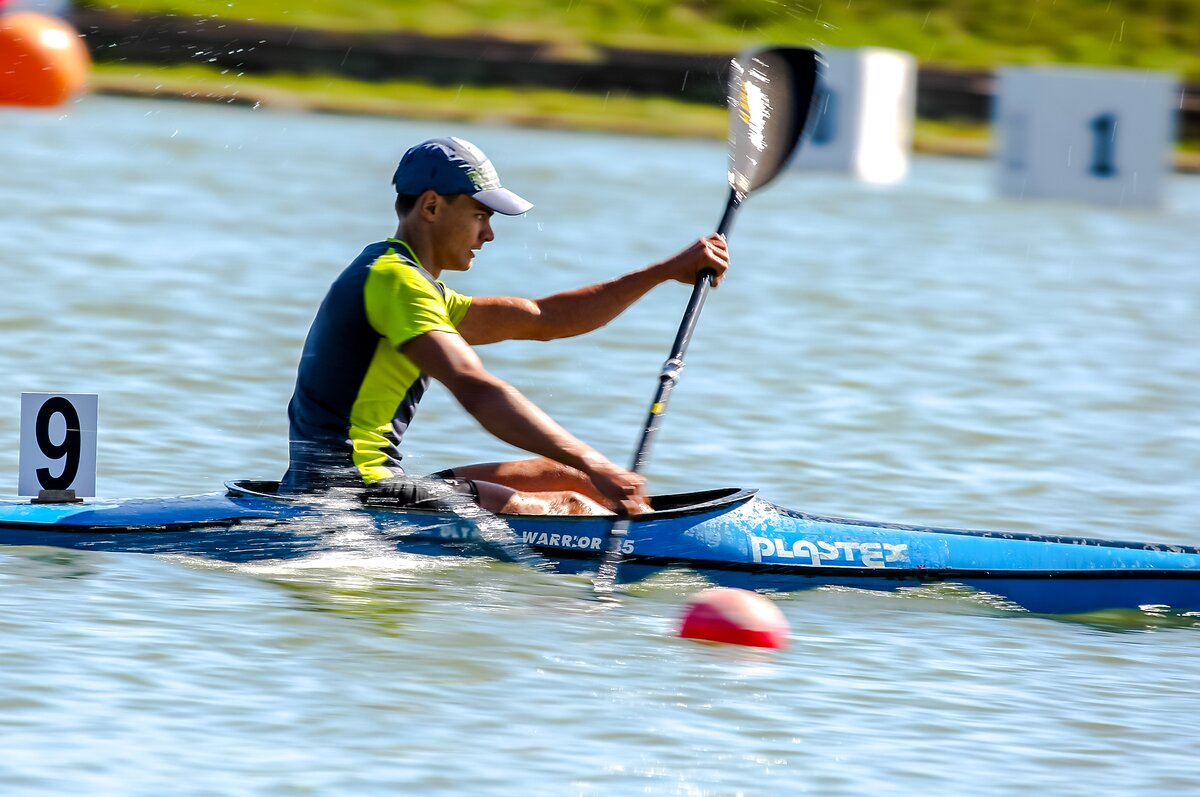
[454,166]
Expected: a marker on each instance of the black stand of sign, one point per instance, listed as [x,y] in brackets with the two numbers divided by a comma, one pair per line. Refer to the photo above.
[56,497]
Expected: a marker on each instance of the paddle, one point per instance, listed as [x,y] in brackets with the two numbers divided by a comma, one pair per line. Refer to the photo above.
[769,95]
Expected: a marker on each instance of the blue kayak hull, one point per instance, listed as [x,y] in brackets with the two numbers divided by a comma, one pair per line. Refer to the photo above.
[729,536]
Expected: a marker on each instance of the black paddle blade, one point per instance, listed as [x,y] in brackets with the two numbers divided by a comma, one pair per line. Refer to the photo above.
[770,93]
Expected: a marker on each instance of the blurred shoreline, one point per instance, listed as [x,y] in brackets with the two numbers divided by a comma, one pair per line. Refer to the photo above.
[479,78]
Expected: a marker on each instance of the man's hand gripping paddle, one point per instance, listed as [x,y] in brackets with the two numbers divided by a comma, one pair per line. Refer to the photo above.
[770,92]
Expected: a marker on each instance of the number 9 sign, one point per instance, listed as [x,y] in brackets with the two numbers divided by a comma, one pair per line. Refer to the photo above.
[58,443]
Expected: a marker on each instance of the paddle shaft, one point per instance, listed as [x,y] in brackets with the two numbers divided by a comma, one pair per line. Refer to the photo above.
[673,367]
[770,95]
[668,378]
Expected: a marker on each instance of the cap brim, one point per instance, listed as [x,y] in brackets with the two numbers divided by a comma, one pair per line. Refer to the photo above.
[503,201]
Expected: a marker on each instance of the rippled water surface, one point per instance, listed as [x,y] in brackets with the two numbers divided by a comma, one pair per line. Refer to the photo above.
[925,353]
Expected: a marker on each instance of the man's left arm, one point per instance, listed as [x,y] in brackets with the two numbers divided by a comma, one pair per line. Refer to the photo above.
[564,315]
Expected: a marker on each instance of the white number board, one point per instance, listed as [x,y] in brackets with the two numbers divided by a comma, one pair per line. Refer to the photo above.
[58,443]
[1098,135]
[862,116]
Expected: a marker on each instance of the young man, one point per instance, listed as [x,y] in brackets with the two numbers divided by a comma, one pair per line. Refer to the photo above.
[388,324]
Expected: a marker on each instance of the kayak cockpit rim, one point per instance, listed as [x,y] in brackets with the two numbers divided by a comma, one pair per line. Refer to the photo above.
[662,506]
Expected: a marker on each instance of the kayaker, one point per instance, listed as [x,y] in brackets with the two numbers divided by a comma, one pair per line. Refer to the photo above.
[388,324]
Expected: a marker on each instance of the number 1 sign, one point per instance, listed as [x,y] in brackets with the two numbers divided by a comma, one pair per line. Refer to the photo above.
[58,443]
[1099,135]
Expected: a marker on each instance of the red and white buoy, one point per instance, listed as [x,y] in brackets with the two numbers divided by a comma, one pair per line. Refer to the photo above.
[737,617]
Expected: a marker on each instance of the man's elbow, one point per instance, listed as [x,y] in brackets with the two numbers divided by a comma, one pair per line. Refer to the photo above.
[539,324]
[556,323]
[474,389]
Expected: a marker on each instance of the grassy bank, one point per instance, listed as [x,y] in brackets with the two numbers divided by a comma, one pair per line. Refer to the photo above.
[1151,34]
[957,33]
[536,108]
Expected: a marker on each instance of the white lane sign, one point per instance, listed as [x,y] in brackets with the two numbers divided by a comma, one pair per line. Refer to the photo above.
[58,443]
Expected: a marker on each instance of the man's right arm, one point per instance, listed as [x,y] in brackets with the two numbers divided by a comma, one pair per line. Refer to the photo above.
[509,416]
[570,313]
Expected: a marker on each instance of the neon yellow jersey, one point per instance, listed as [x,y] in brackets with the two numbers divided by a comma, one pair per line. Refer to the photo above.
[356,393]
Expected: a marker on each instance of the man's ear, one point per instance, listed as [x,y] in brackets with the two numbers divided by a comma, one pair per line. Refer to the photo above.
[428,205]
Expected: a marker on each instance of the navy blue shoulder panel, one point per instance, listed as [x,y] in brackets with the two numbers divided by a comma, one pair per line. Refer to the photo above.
[336,355]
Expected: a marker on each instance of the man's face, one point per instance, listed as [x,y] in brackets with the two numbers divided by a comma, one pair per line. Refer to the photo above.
[462,226]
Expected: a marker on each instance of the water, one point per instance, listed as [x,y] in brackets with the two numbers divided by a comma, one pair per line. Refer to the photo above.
[926,353]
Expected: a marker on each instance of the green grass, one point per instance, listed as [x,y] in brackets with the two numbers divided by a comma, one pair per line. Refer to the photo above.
[952,138]
[542,108]
[1158,34]
[1152,34]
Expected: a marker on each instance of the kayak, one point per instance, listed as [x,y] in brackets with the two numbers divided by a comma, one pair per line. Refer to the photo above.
[730,536]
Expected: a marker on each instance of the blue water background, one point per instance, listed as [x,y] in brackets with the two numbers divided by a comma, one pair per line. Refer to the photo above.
[924,353]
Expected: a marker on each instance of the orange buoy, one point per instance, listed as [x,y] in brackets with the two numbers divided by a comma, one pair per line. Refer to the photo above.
[735,616]
[42,60]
